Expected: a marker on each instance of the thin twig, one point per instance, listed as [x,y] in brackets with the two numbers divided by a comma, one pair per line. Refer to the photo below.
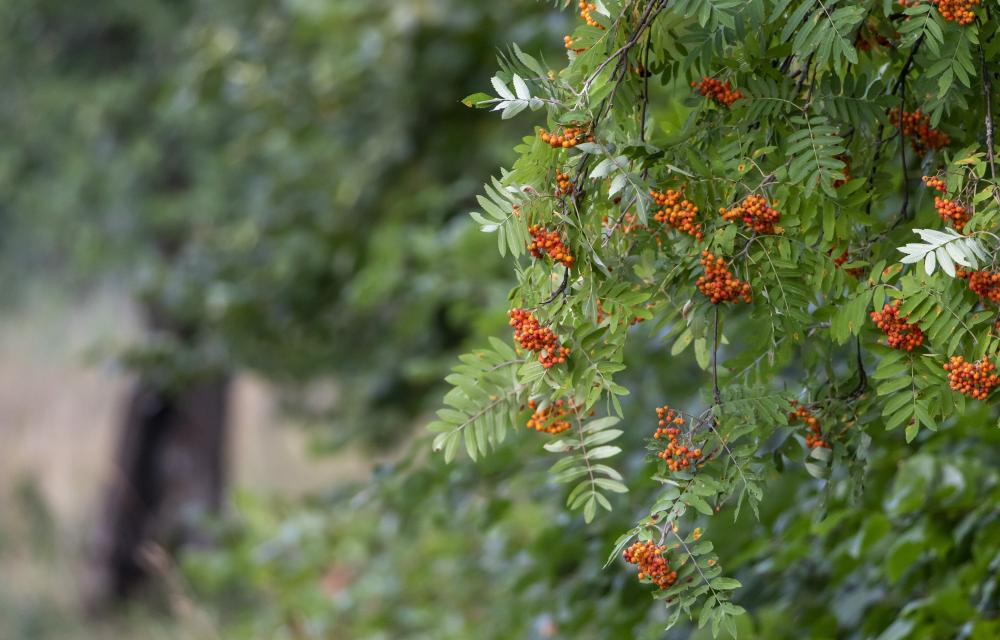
[902,154]
[805,72]
[880,140]
[862,376]
[561,289]
[901,87]
[909,63]
[644,21]
[716,394]
[645,91]
[987,89]
[694,561]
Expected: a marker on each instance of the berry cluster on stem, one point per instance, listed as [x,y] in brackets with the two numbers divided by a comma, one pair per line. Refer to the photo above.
[549,242]
[652,563]
[721,93]
[934,182]
[846,159]
[973,380]
[534,337]
[676,211]
[902,335]
[844,257]
[960,11]
[569,138]
[568,43]
[916,126]
[676,455]
[719,284]
[756,213]
[952,212]
[801,413]
[869,38]
[551,418]
[985,284]
[564,186]
[586,11]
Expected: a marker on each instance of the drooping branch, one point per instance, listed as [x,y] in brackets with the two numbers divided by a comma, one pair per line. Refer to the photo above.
[902,154]
[901,88]
[880,140]
[560,289]
[716,394]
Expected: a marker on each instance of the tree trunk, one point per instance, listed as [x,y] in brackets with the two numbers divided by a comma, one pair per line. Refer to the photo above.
[167,476]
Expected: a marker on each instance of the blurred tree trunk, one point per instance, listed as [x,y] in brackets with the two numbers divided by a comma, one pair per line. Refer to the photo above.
[167,475]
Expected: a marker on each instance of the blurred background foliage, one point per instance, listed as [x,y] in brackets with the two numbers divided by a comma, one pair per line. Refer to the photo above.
[291,178]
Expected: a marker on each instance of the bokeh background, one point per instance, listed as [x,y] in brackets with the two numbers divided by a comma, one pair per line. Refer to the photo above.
[234,231]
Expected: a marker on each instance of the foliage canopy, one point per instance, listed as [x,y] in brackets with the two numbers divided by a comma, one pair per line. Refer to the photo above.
[737,176]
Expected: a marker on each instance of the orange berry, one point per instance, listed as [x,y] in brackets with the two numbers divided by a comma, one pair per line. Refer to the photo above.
[719,284]
[534,337]
[902,335]
[721,93]
[755,213]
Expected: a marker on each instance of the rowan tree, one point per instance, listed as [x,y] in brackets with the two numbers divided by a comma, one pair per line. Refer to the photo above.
[824,293]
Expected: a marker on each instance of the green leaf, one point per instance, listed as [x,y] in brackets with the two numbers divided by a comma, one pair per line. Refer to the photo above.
[725,584]
[476,100]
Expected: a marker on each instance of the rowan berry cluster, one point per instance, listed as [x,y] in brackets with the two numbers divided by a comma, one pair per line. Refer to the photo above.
[551,419]
[814,439]
[534,337]
[564,185]
[651,562]
[934,182]
[676,455]
[973,380]
[985,284]
[868,38]
[586,9]
[569,138]
[917,127]
[676,211]
[960,11]
[719,284]
[856,272]
[953,212]
[568,43]
[721,92]
[756,214]
[902,334]
[548,242]
[846,159]
[949,210]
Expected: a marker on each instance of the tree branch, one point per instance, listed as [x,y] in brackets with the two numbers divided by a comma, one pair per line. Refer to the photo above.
[561,289]
[901,87]
[716,394]
[987,98]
